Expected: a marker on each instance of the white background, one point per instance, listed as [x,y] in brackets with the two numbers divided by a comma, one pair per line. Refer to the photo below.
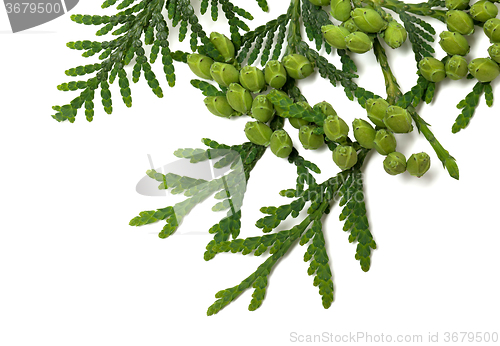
[74,273]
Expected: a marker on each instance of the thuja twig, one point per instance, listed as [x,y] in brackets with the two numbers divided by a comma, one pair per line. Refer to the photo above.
[394,93]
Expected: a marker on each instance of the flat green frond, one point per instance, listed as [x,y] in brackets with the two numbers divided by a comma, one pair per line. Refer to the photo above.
[314,17]
[82,70]
[316,252]
[108,3]
[328,71]
[124,4]
[488,94]
[147,217]
[233,14]
[429,93]
[263,5]
[354,214]
[420,35]
[226,296]
[252,245]
[416,94]
[206,88]
[127,27]
[279,243]
[256,39]
[298,160]
[213,144]
[125,88]
[280,38]
[348,64]
[468,106]
[295,110]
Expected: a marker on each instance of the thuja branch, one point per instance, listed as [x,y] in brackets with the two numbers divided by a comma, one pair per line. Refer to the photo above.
[391,85]
[294,36]
[394,92]
[258,279]
[422,9]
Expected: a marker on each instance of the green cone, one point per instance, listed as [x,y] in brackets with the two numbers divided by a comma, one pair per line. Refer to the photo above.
[456,4]
[398,120]
[275,74]
[239,98]
[325,108]
[262,109]
[252,78]
[335,35]
[456,67]
[395,163]
[350,25]
[340,9]
[297,66]
[298,122]
[484,69]
[281,143]
[483,10]
[219,106]
[258,133]
[223,45]
[459,21]
[359,42]
[418,164]
[395,34]
[492,29]
[200,65]
[335,129]
[376,109]
[368,20]
[364,133]
[344,156]
[309,139]
[494,52]
[432,69]
[453,43]
[384,142]
[224,74]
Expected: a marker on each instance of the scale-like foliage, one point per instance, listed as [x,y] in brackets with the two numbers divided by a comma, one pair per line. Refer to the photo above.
[255,39]
[417,93]
[420,35]
[468,106]
[309,230]
[354,214]
[279,243]
[142,23]
[206,88]
[345,76]
[317,254]
[233,14]
[488,94]
[135,26]
[295,110]
[314,17]
[229,188]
